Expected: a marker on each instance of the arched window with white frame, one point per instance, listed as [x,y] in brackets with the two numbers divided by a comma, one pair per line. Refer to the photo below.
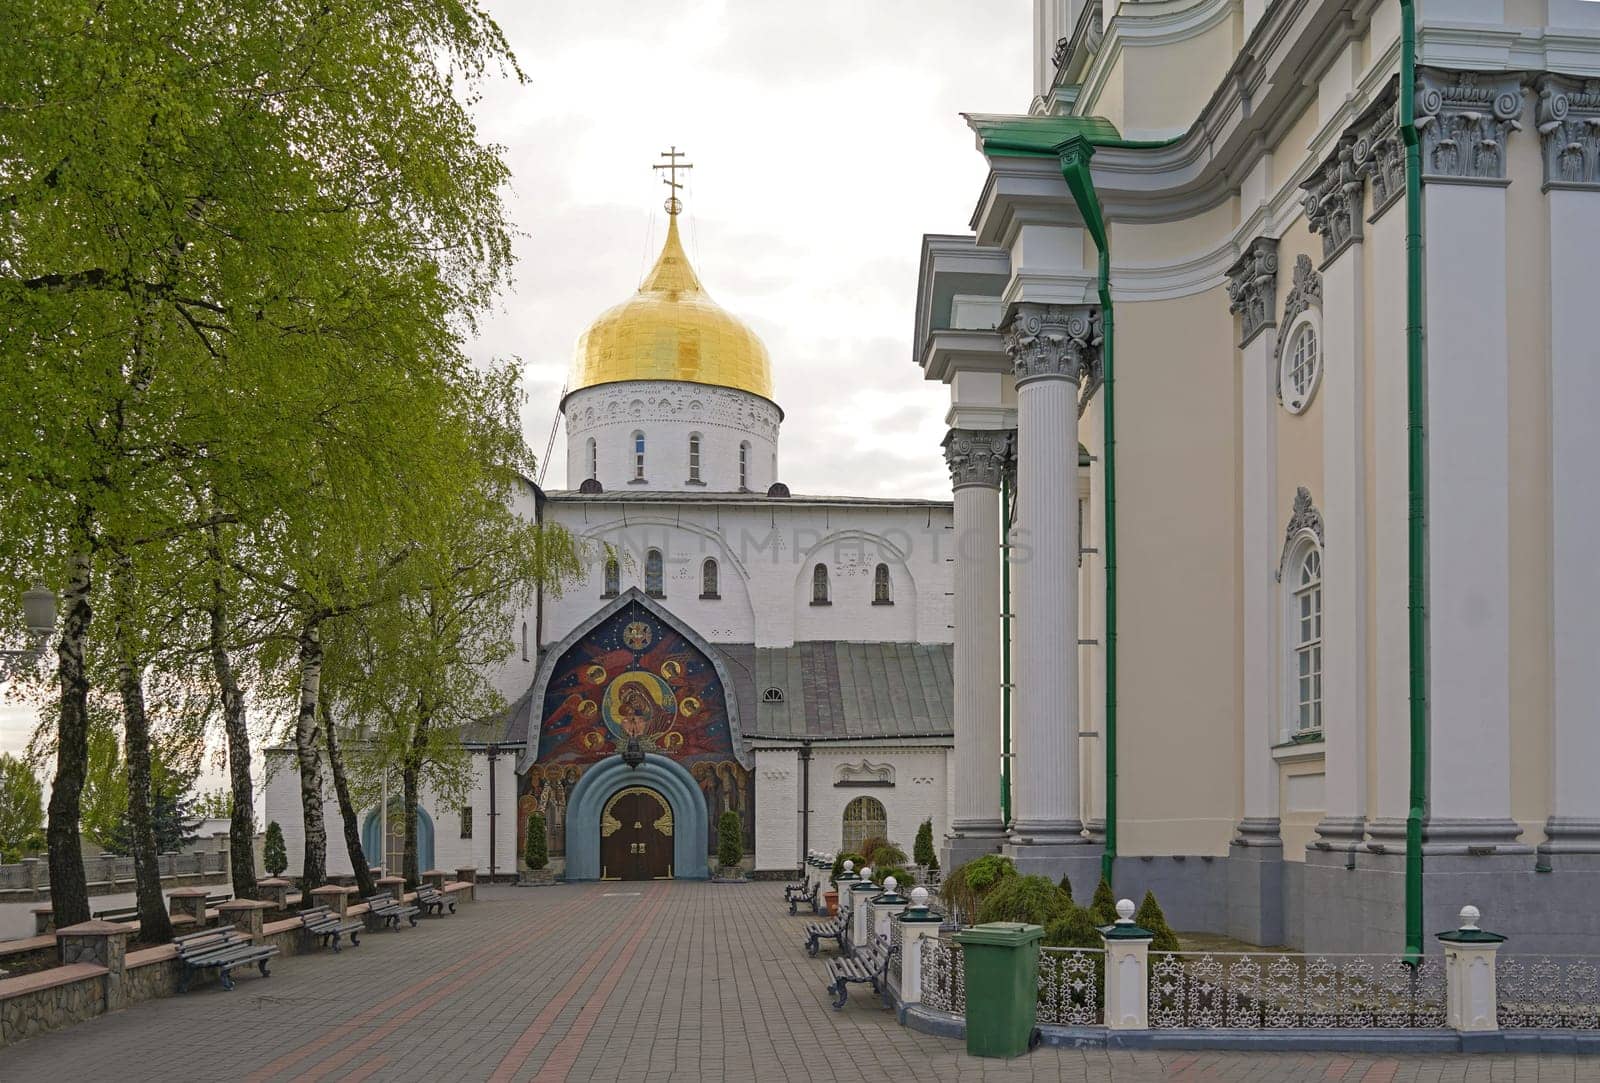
[1303,585]
[881,586]
[653,575]
[819,585]
[638,455]
[744,464]
[613,585]
[591,456]
[709,576]
[694,456]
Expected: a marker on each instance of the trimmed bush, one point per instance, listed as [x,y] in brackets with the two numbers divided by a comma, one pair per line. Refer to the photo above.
[1150,917]
[922,849]
[966,885]
[1033,899]
[1065,885]
[987,871]
[275,856]
[838,864]
[730,840]
[1103,907]
[904,881]
[1075,930]
[535,847]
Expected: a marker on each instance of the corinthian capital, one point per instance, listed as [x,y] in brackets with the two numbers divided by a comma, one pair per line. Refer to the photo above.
[1054,341]
[1568,117]
[978,456]
[1333,200]
[1464,119]
[1253,286]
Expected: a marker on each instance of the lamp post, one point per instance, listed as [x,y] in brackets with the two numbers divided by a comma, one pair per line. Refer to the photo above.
[39,615]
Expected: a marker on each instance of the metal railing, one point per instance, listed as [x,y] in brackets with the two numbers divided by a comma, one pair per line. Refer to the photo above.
[1548,991]
[1258,990]
[1072,986]
[944,977]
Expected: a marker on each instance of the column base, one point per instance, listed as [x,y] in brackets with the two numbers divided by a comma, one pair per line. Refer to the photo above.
[1079,861]
[1255,884]
[1340,832]
[1386,835]
[968,842]
[1254,831]
[1478,838]
[1570,835]
[1096,831]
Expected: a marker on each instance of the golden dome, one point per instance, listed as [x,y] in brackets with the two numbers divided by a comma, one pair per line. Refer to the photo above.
[671,330]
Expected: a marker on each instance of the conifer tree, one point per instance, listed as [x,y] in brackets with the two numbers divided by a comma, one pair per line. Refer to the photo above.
[275,856]
[1149,916]
[1103,907]
[536,848]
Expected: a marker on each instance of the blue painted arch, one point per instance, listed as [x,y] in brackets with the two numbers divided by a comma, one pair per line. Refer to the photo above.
[372,843]
[667,777]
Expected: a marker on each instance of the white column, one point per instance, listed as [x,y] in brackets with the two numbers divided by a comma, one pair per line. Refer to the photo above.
[1344,556]
[1469,581]
[1573,206]
[1051,346]
[1253,290]
[977,460]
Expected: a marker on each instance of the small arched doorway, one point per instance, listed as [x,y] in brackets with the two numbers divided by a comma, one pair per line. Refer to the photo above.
[390,850]
[864,818]
[636,837]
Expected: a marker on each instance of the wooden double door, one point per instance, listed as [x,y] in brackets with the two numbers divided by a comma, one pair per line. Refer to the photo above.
[636,836]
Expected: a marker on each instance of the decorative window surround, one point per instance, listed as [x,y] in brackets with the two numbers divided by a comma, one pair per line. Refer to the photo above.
[1305,518]
[1304,300]
[1252,287]
[864,773]
[1464,119]
[1567,115]
[1300,362]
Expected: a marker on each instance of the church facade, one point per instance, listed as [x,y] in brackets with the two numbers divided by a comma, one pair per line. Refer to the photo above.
[1324,548]
[731,646]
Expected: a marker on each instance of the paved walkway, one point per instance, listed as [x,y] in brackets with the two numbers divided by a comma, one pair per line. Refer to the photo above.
[607,982]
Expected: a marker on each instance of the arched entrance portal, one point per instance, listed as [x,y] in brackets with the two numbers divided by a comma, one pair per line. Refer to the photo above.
[668,781]
[636,836]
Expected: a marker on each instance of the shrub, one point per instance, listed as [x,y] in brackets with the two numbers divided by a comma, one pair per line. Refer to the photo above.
[904,881]
[1150,917]
[536,847]
[922,849]
[275,856]
[1065,885]
[1033,899]
[838,864]
[1103,907]
[730,840]
[1076,929]
[987,871]
[966,885]
[877,852]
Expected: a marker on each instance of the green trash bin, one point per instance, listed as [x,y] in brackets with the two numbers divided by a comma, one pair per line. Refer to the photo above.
[1002,968]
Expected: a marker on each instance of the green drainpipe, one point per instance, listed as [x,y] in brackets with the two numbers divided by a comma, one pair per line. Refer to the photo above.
[1005,651]
[1416,481]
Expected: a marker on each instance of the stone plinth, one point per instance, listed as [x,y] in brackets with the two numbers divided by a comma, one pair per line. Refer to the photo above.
[189,903]
[335,897]
[275,890]
[246,915]
[102,943]
[394,885]
[44,920]
[436,878]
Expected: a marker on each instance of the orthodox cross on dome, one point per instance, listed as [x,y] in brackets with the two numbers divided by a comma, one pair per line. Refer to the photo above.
[672,165]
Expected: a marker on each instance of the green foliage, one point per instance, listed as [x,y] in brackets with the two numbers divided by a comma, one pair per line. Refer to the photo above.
[1033,899]
[172,817]
[966,885]
[1075,929]
[214,804]
[21,810]
[922,849]
[904,880]
[536,848]
[1103,907]
[1149,916]
[1065,885]
[838,863]
[275,857]
[880,851]
[730,840]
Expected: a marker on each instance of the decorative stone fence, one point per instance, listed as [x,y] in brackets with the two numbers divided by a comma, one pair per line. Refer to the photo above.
[99,975]
[29,879]
[1469,996]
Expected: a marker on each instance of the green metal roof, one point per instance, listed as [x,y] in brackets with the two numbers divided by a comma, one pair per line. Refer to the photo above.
[1037,137]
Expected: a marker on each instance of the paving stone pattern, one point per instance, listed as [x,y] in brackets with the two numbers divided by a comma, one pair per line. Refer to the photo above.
[662,981]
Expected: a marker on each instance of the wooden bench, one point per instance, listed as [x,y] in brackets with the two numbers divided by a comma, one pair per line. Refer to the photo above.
[869,965]
[221,950]
[384,906]
[433,901]
[327,927]
[837,930]
[120,914]
[810,898]
[791,891]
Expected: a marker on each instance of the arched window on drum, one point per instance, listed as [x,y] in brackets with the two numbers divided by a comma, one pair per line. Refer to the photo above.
[653,574]
[864,818]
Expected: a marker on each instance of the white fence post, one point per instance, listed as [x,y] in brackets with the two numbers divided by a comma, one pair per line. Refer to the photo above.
[1471,1000]
[916,922]
[862,892]
[1127,971]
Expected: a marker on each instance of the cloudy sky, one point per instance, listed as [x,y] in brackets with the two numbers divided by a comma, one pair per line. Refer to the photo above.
[826,139]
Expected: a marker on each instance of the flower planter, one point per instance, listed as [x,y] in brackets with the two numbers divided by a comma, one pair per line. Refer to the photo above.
[831,900]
